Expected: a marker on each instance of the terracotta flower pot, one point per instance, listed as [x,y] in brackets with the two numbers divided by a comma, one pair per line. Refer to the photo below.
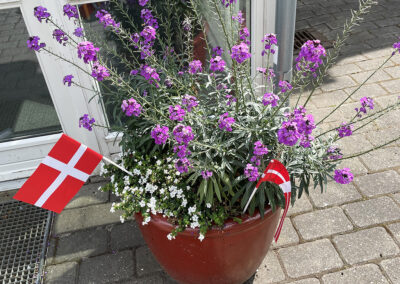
[230,255]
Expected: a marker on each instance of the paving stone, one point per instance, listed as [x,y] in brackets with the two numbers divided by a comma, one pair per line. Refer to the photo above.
[306,281]
[270,271]
[393,71]
[338,83]
[356,166]
[310,258]
[321,223]
[382,159]
[351,59]
[373,64]
[146,262]
[377,77]
[375,53]
[366,245]
[368,273]
[81,244]
[354,144]
[373,211]
[395,230]
[82,218]
[397,197]
[301,205]
[88,195]
[126,235]
[330,99]
[107,268]
[51,250]
[373,90]
[341,70]
[334,194]
[392,86]
[288,235]
[154,279]
[64,273]
[391,267]
[379,137]
[379,183]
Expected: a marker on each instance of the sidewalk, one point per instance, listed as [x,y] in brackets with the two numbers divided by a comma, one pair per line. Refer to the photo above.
[350,234]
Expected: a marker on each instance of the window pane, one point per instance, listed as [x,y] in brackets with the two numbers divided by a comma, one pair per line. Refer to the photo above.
[26,108]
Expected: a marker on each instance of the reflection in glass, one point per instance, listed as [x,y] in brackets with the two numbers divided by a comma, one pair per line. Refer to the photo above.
[26,108]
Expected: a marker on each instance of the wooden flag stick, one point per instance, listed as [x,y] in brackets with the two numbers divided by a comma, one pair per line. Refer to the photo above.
[118,166]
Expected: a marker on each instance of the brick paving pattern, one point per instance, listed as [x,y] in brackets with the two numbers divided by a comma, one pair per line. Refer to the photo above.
[350,234]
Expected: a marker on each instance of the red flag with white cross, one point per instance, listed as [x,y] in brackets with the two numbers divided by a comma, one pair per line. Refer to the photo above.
[60,175]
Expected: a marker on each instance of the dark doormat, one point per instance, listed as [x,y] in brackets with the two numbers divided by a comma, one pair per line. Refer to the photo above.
[24,231]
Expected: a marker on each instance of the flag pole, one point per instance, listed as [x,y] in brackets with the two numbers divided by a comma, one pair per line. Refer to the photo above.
[118,166]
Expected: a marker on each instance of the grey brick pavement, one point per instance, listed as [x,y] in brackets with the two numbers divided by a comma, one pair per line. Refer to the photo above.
[350,234]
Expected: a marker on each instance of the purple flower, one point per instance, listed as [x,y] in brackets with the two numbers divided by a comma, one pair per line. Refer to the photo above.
[269,41]
[183,134]
[225,122]
[131,107]
[244,34]
[288,133]
[143,2]
[160,134]
[285,86]
[107,20]
[148,18]
[305,140]
[176,113]
[195,67]
[240,52]
[150,74]
[271,74]
[305,123]
[134,72]
[365,102]
[70,11]
[217,64]
[135,38]
[99,72]
[334,153]
[168,83]
[182,165]
[86,122]
[239,18]
[251,172]
[181,151]
[60,36]
[226,3]
[231,99]
[78,32]
[396,46]
[217,51]
[343,176]
[41,13]
[260,149]
[149,34]
[206,174]
[262,70]
[33,43]
[190,102]
[270,99]
[310,56]
[187,25]
[68,79]
[345,130]
[88,51]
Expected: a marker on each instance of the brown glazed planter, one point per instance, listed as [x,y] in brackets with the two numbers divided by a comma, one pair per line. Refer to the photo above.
[230,255]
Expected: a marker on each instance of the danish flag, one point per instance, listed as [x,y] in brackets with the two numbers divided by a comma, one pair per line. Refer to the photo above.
[60,175]
[276,173]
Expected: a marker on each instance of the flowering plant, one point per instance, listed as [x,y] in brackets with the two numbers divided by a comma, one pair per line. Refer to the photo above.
[198,132]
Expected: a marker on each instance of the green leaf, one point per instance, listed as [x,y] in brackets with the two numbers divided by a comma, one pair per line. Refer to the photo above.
[261,201]
[201,190]
[216,188]
[210,193]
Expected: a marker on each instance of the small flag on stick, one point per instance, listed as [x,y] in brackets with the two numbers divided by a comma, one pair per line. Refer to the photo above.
[60,175]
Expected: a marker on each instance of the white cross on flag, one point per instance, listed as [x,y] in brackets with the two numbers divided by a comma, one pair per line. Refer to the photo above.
[60,175]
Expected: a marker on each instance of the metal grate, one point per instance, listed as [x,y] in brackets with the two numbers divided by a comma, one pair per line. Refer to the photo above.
[301,36]
[23,235]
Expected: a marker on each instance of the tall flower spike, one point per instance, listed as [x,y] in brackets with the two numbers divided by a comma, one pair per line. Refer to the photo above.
[86,122]
[41,13]
[71,11]
[34,44]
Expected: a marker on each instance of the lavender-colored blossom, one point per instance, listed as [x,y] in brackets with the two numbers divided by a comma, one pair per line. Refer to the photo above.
[217,51]
[41,13]
[260,149]
[225,122]
[60,36]
[261,70]
[239,18]
[88,51]
[148,18]
[365,102]
[187,24]
[135,38]
[226,3]
[310,56]
[86,122]
[305,123]
[271,74]
[146,51]
[78,32]
[396,46]
[285,86]
[305,141]
[190,102]
[149,34]
[134,72]
[160,134]
[176,113]
[206,174]
[68,79]
[34,44]
[269,41]
[217,64]
[251,172]
[99,72]
[334,153]
[70,11]
[345,130]
[182,165]
[195,67]
[231,99]
[288,133]
[270,99]
[240,52]
[150,74]
[131,107]
[106,19]
[181,150]
[168,83]
[183,134]
[143,2]
[343,176]
[244,34]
